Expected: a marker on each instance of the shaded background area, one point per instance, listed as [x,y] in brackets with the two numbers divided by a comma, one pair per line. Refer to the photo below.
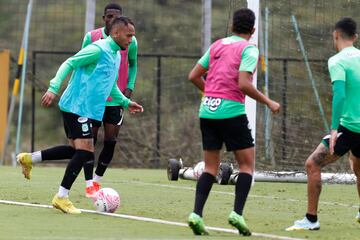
[172,28]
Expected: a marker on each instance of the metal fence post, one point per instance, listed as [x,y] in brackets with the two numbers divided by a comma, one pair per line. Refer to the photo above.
[33,101]
[158,111]
[284,110]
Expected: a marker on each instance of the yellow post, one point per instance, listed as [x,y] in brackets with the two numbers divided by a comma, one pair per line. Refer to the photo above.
[4,93]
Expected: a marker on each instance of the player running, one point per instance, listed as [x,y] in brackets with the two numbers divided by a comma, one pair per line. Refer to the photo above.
[113,115]
[230,63]
[345,125]
[94,78]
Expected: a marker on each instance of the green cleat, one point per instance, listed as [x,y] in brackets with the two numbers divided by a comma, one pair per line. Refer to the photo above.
[238,222]
[196,223]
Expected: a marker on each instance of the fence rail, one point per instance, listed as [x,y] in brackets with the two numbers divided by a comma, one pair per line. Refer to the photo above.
[159,57]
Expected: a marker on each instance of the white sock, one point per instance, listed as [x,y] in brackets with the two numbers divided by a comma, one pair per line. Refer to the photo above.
[97,178]
[89,183]
[36,157]
[63,192]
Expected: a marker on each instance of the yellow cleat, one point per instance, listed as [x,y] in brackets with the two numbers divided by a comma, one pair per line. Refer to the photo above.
[25,161]
[65,205]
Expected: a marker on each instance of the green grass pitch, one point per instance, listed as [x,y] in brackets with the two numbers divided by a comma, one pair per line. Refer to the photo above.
[271,207]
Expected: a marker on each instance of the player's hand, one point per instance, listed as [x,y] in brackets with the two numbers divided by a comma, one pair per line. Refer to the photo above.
[332,142]
[135,107]
[47,99]
[274,106]
[128,93]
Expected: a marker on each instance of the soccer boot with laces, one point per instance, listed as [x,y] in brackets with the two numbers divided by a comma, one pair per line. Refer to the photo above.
[304,224]
[25,160]
[196,223]
[239,223]
[90,192]
[96,186]
[65,205]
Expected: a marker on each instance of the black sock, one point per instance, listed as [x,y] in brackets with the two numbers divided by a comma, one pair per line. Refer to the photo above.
[242,188]
[311,218]
[203,188]
[105,157]
[58,153]
[89,166]
[74,167]
[88,169]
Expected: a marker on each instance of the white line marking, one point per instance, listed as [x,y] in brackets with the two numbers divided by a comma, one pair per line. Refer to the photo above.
[232,194]
[153,220]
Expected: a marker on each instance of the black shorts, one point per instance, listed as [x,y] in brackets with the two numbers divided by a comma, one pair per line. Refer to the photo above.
[234,132]
[346,140]
[113,115]
[76,126]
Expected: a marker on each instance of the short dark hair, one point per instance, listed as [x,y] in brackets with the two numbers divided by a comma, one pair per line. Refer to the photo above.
[113,6]
[347,27]
[243,21]
[120,20]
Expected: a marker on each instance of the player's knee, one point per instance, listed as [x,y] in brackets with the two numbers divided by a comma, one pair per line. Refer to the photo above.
[111,132]
[109,144]
[86,144]
[247,167]
[111,135]
[311,166]
[111,138]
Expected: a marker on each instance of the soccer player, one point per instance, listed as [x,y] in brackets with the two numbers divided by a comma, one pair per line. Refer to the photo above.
[345,120]
[94,78]
[230,63]
[114,115]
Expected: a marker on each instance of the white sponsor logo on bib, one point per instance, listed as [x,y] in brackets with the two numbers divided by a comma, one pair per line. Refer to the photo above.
[212,103]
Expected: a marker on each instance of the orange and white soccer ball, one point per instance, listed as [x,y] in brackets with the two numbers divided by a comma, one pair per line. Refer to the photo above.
[106,200]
